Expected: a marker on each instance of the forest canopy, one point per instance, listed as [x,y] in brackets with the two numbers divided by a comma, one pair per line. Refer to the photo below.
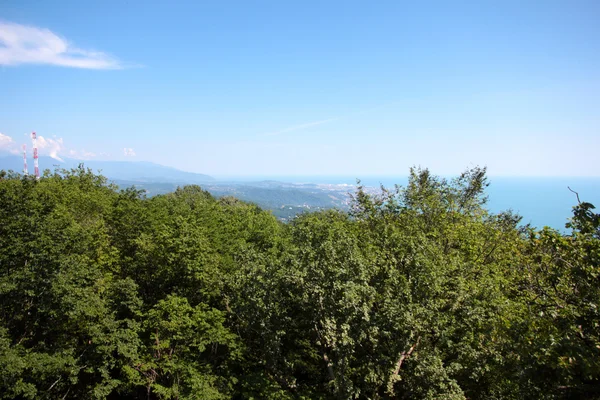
[419,292]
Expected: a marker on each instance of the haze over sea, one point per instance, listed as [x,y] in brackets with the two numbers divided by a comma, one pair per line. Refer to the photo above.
[541,201]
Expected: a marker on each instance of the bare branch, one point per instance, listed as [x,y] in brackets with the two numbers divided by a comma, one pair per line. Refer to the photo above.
[576,194]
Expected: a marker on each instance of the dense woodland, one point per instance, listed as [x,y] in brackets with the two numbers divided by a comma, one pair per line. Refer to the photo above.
[416,293]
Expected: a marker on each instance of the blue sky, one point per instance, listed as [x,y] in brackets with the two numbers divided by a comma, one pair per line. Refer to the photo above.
[307,88]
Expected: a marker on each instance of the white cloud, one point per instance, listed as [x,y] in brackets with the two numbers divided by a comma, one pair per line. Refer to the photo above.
[6,141]
[50,146]
[8,144]
[54,147]
[22,44]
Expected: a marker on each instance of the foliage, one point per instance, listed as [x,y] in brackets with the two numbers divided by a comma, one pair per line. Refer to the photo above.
[418,292]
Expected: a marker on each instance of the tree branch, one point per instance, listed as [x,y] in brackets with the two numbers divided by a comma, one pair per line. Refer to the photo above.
[55,382]
[576,194]
[395,374]
[405,355]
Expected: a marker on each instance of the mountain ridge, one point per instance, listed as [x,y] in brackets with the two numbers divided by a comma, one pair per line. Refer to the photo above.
[142,171]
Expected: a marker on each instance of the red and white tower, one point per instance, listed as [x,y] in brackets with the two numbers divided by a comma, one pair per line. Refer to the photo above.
[36,167]
[25,171]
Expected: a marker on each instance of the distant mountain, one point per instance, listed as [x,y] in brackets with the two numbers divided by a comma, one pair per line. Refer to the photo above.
[139,171]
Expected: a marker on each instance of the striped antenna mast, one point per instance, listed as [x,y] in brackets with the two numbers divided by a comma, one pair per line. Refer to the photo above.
[25,171]
[36,167]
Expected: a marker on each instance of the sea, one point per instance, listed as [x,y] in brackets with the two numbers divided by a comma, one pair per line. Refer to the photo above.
[540,201]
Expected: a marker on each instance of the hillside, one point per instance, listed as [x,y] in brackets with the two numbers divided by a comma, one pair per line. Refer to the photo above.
[140,171]
[284,200]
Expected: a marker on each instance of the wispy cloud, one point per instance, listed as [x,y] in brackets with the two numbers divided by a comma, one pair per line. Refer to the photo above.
[128,152]
[82,155]
[300,127]
[326,121]
[22,44]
